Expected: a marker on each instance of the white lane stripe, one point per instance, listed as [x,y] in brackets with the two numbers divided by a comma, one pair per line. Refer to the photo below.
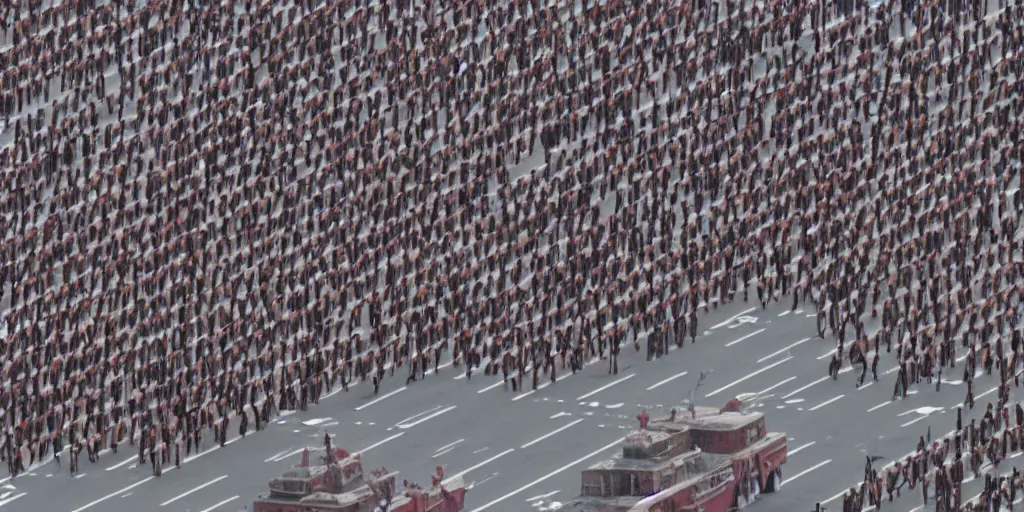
[824,356]
[911,422]
[289,454]
[378,399]
[549,434]
[781,350]
[796,451]
[122,463]
[274,456]
[734,317]
[776,385]
[606,386]
[111,495]
[879,406]
[8,500]
[180,496]
[804,472]
[417,415]
[755,333]
[445,447]
[221,503]
[562,469]
[478,466]
[421,420]
[823,404]
[492,386]
[762,370]
[819,381]
[374,445]
[666,381]
[542,386]
[989,392]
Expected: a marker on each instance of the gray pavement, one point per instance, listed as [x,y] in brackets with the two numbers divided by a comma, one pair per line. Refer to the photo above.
[524,451]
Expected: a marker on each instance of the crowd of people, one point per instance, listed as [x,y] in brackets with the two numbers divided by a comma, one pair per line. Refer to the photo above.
[222,209]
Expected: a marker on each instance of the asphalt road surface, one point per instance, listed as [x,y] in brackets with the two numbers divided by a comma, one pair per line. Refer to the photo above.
[523,452]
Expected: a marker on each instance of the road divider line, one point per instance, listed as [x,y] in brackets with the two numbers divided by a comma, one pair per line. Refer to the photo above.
[225,502]
[777,352]
[911,422]
[826,402]
[421,420]
[734,317]
[378,399]
[755,333]
[549,434]
[122,463]
[374,445]
[289,454]
[879,406]
[819,381]
[796,451]
[488,388]
[274,456]
[827,355]
[480,465]
[111,495]
[666,381]
[180,496]
[775,386]
[414,416]
[804,472]
[551,474]
[12,498]
[754,374]
[450,445]
[606,386]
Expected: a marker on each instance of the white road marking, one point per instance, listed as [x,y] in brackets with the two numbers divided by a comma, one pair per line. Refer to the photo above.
[542,386]
[865,386]
[421,420]
[111,495]
[180,496]
[879,406]
[551,474]
[414,416]
[478,466]
[808,445]
[80,476]
[8,500]
[989,392]
[823,404]
[730,320]
[819,381]
[374,445]
[542,496]
[781,350]
[221,503]
[784,313]
[666,381]
[827,355]
[606,386]
[762,370]
[275,456]
[755,333]
[549,434]
[445,452]
[289,454]
[378,399]
[196,456]
[492,386]
[776,385]
[122,463]
[445,447]
[804,472]
[911,422]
